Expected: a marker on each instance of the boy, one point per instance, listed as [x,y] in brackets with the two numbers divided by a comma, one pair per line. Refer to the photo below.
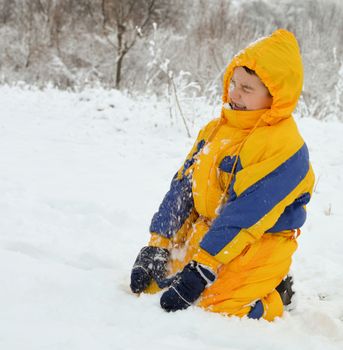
[228,225]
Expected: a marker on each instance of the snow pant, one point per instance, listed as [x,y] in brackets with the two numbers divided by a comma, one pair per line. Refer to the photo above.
[246,285]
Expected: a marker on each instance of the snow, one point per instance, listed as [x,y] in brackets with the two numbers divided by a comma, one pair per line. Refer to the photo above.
[206,149]
[81,176]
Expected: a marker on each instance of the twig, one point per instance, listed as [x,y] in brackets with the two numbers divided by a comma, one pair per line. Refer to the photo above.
[178,104]
[315,186]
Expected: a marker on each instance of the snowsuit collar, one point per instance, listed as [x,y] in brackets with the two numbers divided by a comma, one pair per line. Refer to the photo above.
[245,120]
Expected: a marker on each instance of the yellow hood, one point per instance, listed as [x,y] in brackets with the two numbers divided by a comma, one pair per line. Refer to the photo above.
[277,61]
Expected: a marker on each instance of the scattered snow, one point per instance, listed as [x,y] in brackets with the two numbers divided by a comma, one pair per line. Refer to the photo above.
[81,176]
[206,149]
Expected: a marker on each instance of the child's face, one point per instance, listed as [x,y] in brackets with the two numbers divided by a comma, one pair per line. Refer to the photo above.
[247,92]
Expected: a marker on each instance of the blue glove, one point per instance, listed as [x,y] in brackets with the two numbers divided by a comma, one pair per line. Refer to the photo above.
[187,287]
[151,263]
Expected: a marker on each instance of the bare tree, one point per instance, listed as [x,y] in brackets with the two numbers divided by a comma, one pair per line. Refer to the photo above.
[124,22]
[6,11]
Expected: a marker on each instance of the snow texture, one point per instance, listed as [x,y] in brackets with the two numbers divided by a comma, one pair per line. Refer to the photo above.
[81,176]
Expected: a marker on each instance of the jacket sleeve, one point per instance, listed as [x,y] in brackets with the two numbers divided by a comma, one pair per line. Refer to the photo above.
[259,195]
[178,205]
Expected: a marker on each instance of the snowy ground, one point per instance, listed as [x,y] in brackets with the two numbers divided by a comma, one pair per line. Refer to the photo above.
[80,176]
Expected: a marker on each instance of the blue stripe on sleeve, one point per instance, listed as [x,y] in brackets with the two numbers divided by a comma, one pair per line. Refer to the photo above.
[174,209]
[256,201]
[294,215]
[177,203]
[189,162]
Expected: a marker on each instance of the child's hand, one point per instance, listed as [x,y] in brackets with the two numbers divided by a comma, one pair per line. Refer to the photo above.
[187,287]
[151,263]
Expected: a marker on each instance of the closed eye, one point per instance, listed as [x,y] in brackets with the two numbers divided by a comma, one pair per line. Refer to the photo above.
[247,88]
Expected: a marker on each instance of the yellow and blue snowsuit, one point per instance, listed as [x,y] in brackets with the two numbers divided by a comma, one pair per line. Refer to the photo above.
[238,201]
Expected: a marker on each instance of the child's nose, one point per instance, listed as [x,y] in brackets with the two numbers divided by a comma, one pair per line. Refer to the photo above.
[234,93]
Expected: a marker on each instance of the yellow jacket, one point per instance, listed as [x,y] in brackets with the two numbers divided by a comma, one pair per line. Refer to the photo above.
[248,172]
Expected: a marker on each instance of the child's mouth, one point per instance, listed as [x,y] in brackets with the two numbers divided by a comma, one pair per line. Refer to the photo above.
[237,107]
